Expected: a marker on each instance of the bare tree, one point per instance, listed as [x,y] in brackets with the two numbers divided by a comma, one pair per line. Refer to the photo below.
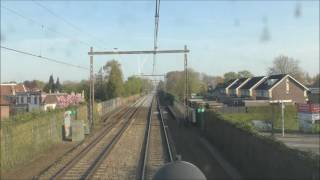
[286,65]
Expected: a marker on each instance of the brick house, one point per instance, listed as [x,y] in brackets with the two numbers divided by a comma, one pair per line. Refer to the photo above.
[234,88]
[248,89]
[4,108]
[282,87]
[7,93]
[223,89]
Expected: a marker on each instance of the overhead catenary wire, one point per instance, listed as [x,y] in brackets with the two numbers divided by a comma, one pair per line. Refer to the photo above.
[156,31]
[42,25]
[67,22]
[44,58]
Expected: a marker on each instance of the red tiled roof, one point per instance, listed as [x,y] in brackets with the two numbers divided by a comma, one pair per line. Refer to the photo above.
[4,100]
[6,90]
[20,88]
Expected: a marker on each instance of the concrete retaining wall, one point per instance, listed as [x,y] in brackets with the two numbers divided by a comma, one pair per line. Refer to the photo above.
[110,105]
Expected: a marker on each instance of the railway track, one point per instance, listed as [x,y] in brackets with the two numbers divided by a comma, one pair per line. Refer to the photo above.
[122,161]
[87,159]
[156,150]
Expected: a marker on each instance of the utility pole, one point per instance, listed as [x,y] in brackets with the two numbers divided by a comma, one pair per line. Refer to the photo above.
[91,53]
[91,96]
[282,117]
[186,83]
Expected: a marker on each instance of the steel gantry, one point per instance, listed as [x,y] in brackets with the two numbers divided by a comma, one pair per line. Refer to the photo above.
[92,53]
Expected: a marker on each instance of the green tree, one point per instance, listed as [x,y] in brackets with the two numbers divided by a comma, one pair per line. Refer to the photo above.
[230,75]
[115,85]
[245,74]
[50,86]
[39,84]
[175,83]
[58,86]
[100,91]
[133,86]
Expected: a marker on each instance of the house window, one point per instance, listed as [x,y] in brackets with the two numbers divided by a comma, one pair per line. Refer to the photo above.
[21,99]
[262,93]
[35,100]
[259,93]
[18,100]
[287,86]
[28,99]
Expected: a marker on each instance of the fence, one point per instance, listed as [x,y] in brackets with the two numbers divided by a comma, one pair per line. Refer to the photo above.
[107,106]
[24,140]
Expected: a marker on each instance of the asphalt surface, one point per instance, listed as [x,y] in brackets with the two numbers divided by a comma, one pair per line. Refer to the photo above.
[187,144]
[303,142]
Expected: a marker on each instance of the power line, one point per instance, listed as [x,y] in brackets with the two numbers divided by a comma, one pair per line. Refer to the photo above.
[42,25]
[45,58]
[156,30]
[65,21]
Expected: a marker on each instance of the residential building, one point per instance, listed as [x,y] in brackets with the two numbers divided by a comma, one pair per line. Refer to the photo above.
[8,93]
[314,95]
[248,89]
[30,100]
[4,108]
[282,87]
[31,86]
[50,101]
[223,89]
[234,88]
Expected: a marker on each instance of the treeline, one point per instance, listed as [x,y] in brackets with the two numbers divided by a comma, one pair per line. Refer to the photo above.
[108,85]
[111,84]
[175,83]
[199,83]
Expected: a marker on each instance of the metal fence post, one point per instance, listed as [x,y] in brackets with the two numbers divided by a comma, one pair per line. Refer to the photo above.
[282,117]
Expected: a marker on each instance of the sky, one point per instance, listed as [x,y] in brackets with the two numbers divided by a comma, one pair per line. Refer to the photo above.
[222,36]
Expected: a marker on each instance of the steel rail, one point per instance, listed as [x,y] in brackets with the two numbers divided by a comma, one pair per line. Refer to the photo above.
[143,162]
[98,161]
[106,127]
[165,132]
[82,153]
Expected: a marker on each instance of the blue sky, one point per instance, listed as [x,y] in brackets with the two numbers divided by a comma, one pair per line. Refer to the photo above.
[222,36]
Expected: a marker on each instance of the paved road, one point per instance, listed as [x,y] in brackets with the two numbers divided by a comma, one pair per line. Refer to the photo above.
[188,145]
[304,142]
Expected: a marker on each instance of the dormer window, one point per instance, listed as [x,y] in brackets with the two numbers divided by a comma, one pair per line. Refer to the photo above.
[270,82]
